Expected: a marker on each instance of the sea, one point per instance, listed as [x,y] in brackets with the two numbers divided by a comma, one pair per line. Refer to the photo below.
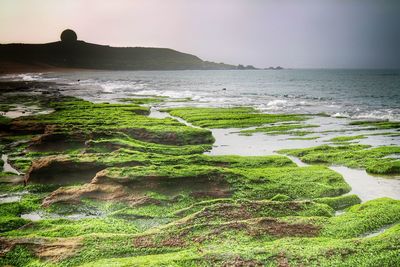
[356,94]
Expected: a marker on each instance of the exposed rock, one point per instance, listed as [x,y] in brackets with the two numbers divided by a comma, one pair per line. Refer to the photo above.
[61,170]
[104,192]
[57,142]
[200,186]
[46,249]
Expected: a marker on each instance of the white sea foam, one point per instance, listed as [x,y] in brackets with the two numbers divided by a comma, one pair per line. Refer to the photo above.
[170,93]
[280,105]
[340,115]
[27,77]
[377,115]
[281,92]
[30,77]
[110,87]
[23,77]
[277,103]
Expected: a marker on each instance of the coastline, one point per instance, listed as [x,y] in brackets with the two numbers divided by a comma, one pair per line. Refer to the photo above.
[12,67]
[130,178]
[16,68]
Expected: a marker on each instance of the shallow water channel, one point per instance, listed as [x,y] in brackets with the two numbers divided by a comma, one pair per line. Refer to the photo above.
[7,166]
[366,186]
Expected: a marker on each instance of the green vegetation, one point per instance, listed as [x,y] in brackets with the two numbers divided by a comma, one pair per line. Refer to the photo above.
[295,182]
[124,141]
[5,108]
[390,134]
[4,120]
[19,256]
[240,117]
[202,239]
[304,138]
[76,119]
[73,228]
[144,100]
[374,160]
[10,212]
[255,183]
[363,218]
[340,139]
[253,232]
[1,166]
[340,202]
[117,188]
[10,222]
[378,124]
[291,129]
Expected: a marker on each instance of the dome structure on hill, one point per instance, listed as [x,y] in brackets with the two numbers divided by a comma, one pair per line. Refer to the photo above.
[68,36]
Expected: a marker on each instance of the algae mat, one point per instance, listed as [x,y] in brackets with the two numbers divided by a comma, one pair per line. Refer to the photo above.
[104,184]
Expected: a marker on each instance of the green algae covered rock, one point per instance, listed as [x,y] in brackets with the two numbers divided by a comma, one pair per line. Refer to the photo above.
[118,188]
[373,159]
[239,117]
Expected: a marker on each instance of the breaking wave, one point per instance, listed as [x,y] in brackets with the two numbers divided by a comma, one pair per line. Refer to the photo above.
[337,93]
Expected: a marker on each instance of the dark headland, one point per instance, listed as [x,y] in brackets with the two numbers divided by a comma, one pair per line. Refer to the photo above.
[73,53]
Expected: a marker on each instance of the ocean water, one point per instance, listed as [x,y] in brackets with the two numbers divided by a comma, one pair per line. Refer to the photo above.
[359,94]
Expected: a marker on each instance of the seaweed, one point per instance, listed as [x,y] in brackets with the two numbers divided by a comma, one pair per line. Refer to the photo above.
[373,159]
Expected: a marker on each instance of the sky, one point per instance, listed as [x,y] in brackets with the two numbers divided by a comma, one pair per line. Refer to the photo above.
[263,33]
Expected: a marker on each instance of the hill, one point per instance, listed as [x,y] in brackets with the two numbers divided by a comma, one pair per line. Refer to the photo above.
[80,54]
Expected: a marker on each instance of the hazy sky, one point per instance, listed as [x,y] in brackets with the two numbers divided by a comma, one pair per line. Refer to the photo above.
[290,33]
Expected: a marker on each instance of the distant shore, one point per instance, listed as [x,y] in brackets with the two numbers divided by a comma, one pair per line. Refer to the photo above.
[15,68]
